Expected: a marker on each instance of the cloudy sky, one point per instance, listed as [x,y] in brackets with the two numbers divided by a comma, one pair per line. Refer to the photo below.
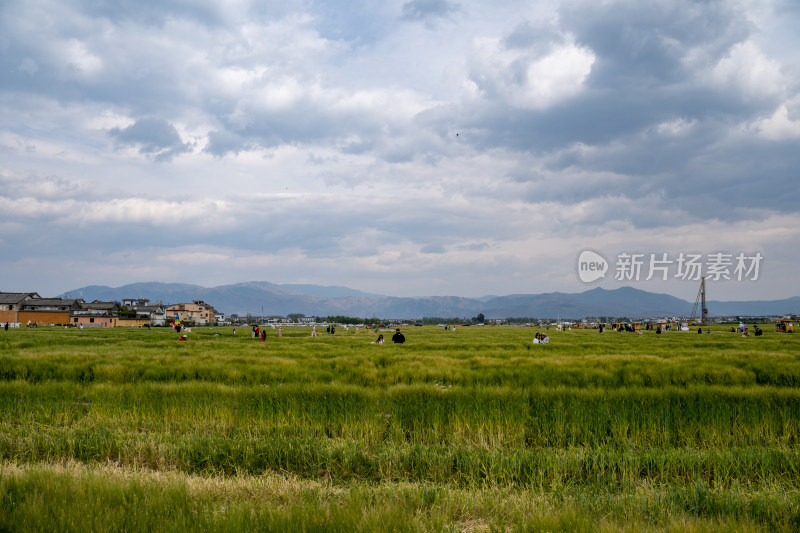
[404,147]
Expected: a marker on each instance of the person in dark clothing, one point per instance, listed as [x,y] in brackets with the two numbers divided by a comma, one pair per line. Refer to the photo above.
[398,337]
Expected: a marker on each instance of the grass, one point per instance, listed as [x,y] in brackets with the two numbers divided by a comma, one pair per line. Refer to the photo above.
[476,429]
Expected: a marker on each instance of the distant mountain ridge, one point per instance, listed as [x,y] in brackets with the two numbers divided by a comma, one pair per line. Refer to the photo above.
[329,291]
[262,298]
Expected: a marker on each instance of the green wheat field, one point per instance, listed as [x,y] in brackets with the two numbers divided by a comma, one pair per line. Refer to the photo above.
[469,430]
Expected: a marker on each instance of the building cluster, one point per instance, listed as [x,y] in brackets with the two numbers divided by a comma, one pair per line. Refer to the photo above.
[28,308]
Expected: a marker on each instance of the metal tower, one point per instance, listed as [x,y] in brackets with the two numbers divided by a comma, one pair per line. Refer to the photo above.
[701,300]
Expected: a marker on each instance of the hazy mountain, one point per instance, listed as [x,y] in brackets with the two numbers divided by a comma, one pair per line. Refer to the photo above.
[264,298]
[755,308]
[326,291]
[625,301]
[166,292]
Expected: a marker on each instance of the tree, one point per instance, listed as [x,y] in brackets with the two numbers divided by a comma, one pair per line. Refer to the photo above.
[125,312]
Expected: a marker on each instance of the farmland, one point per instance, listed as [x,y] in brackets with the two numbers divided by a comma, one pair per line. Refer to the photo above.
[473,429]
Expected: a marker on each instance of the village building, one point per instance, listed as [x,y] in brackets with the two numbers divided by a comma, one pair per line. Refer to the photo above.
[56,311]
[29,308]
[87,321]
[130,322]
[155,313]
[197,313]
[96,314]
[10,304]
[98,308]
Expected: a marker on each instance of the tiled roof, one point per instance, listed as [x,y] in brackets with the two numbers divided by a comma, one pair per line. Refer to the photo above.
[100,305]
[49,302]
[15,297]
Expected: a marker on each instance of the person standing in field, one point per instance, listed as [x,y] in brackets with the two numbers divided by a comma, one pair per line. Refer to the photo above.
[280,331]
[263,335]
[398,337]
[314,330]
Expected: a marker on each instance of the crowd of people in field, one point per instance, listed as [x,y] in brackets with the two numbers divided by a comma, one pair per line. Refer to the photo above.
[260,333]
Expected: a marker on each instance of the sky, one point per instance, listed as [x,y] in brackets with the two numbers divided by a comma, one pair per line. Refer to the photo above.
[401,147]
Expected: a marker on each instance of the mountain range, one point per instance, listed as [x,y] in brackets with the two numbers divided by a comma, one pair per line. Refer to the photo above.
[261,298]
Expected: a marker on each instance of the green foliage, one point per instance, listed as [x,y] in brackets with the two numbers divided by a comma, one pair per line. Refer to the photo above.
[125,312]
[340,319]
[470,429]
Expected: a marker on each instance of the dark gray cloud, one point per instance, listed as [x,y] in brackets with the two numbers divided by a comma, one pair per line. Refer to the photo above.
[153,137]
[651,74]
[223,142]
[433,249]
[527,35]
[646,44]
[154,13]
[428,9]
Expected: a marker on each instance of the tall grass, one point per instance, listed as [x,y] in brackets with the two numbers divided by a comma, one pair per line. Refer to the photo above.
[477,357]
[74,497]
[471,429]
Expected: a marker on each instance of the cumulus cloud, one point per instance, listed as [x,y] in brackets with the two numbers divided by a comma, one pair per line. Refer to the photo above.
[530,81]
[779,126]
[351,140]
